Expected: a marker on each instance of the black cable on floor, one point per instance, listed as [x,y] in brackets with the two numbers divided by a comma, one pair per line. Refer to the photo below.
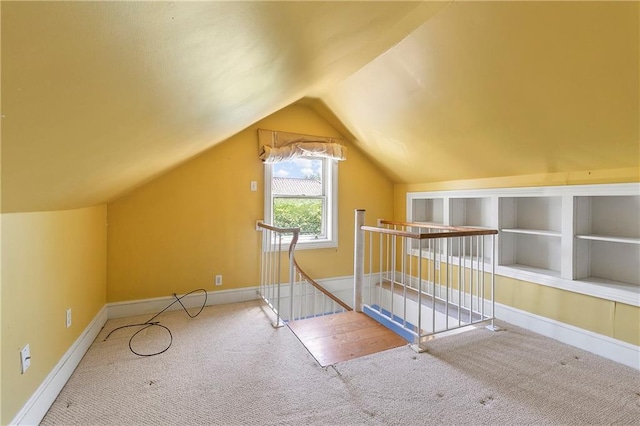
[150,323]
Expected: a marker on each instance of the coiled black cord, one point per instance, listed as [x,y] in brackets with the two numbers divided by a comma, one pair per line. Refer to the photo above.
[150,323]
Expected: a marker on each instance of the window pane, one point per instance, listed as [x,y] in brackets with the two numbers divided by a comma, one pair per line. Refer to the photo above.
[300,176]
[303,213]
[301,193]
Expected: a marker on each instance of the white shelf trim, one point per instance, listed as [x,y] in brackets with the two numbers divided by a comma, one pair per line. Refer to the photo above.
[624,240]
[525,269]
[532,232]
[628,294]
[541,191]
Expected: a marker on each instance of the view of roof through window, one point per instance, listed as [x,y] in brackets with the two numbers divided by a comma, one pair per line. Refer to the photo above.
[300,176]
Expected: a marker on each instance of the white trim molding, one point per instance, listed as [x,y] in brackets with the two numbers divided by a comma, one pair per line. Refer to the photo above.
[152,306]
[330,213]
[601,345]
[39,403]
[604,346]
[37,406]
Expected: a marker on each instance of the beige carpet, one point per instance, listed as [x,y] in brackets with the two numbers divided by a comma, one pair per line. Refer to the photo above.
[228,366]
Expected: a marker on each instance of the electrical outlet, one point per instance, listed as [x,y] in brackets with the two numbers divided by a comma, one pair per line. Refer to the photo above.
[68,317]
[25,358]
[218,279]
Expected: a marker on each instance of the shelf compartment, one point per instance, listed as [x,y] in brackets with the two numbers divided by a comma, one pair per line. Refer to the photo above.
[430,210]
[611,216]
[485,247]
[609,261]
[537,214]
[533,252]
[475,212]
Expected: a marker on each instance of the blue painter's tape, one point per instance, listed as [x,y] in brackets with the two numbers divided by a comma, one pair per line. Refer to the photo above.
[375,313]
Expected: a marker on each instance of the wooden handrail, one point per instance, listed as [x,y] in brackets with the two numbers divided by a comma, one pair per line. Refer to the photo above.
[391,232]
[319,287]
[292,246]
[438,226]
[455,231]
[276,229]
[414,224]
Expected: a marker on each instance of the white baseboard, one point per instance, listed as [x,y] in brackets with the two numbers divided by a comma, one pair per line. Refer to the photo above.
[37,406]
[604,346]
[607,347]
[155,305]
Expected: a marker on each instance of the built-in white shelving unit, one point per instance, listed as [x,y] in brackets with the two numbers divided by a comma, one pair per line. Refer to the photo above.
[581,238]
[530,233]
[608,235]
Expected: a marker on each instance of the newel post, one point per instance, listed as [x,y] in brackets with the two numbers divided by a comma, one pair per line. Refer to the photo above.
[358,261]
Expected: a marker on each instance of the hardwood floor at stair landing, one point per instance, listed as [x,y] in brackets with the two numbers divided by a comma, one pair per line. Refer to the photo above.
[341,337]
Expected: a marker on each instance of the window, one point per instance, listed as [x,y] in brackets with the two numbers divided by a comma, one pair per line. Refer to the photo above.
[302,193]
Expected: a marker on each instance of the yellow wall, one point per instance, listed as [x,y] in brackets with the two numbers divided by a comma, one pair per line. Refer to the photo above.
[601,316]
[51,261]
[0,255]
[0,248]
[180,230]
[605,317]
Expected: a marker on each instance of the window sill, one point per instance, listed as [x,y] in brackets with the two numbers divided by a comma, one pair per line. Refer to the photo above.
[310,244]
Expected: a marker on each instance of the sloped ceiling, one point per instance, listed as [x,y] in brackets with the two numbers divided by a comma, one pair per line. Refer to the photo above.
[99,97]
[490,89]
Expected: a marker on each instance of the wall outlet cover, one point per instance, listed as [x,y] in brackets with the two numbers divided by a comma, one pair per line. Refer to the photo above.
[25,358]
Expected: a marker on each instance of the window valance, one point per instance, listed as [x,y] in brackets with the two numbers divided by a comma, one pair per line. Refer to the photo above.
[282,146]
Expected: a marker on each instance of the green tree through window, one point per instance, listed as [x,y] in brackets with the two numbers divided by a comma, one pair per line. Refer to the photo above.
[305,214]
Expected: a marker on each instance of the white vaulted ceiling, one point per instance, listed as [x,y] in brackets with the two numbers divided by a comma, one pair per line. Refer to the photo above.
[100,97]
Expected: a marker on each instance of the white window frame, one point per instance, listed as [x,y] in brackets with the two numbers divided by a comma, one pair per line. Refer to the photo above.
[330,213]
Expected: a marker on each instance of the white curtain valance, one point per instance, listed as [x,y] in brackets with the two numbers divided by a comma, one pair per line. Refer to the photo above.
[282,146]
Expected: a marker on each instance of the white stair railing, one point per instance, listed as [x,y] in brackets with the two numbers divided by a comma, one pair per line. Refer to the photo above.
[424,279]
[299,296]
